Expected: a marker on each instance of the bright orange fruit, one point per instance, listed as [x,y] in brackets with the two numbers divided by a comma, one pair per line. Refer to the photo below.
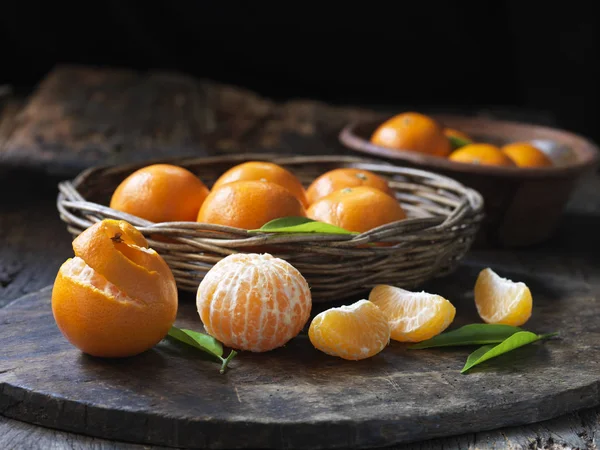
[337,179]
[500,300]
[265,171]
[249,204]
[353,332]
[160,193]
[413,131]
[116,297]
[413,316]
[357,209]
[253,302]
[525,154]
[484,154]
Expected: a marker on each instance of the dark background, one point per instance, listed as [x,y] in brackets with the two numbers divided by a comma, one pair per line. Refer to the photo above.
[526,56]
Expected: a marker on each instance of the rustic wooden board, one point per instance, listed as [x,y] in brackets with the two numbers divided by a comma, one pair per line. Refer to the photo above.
[296,397]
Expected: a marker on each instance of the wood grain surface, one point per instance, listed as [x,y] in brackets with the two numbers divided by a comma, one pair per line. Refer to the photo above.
[297,397]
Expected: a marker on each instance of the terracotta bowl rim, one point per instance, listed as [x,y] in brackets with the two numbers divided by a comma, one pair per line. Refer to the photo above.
[588,154]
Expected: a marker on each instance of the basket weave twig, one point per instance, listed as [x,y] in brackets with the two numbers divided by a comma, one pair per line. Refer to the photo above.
[443,219]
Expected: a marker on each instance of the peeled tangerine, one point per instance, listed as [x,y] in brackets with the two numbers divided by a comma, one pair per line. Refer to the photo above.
[116,297]
[413,316]
[353,332]
[253,302]
[499,300]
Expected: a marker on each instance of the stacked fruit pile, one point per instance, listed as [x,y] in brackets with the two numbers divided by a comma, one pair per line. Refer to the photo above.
[419,133]
[251,194]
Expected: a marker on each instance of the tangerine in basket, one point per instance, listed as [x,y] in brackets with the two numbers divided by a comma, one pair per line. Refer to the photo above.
[253,302]
[116,297]
[353,332]
[265,171]
[160,193]
[413,316]
[525,154]
[484,154]
[357,209]
[249,204]
[345,178]
[413,131]
[500,300]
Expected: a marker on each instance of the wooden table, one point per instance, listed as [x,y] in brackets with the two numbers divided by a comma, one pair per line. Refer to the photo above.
[35,242]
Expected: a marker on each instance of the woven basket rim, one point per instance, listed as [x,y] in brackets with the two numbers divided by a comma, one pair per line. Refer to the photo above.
[474,199]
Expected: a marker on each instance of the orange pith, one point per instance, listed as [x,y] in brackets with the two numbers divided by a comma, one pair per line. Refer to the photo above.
[345,178]
[413,131]
[483,154]
[253,302]
[500,300]
[525,154]
[264,171]
[249,204]
[353,332]
[160,193]
[413,316]
[116,297]
[357,209]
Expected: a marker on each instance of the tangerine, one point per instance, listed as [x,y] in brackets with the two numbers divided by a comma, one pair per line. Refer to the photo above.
[484,154]
[413,131]
[345,178]
[116,297]
[413,316]
[451,132]
[249,204]
[265,171]
[160,193]
[357,209]
[353,332]
[253,301]
[525,154]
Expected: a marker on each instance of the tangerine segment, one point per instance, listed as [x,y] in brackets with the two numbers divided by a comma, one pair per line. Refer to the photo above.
[484,154]
[345,178]
[120,253]
[160,193]
[249,204]
[526,155]
[500,300]
[413,316]
[265,171]
[353,332]
[253,302]
[357,209]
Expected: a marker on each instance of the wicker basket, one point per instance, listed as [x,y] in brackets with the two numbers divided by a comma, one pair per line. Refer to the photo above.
[443,219]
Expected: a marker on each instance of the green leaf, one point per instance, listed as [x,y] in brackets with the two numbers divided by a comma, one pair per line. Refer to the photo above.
[458,142]
[473,334]
[491,351]
[300,225]
[204,342]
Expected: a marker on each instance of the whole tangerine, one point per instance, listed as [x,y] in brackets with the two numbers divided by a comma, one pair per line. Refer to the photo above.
[345,178]
[357,209]
[484,154]
[264,171]
[451,132]
[253,302]
[249,204]
[116,297]
[525,154]
[160,193]
[413,131]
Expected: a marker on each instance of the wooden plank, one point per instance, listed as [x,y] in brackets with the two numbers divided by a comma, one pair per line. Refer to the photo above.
[295,391]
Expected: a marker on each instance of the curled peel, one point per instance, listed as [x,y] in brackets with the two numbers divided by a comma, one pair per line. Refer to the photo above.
[120,253]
